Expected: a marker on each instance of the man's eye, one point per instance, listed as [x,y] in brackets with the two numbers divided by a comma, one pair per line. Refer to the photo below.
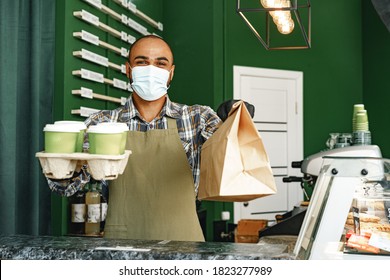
[140,62]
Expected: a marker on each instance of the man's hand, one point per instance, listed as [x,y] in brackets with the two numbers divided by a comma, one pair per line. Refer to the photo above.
[69,187]
[224,109]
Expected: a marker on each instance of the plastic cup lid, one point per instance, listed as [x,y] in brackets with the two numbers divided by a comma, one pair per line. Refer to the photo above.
[108,129]
[60,128]
[123,126]
[78,124]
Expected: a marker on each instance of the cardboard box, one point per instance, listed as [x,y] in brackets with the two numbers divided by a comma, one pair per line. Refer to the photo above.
[247,230]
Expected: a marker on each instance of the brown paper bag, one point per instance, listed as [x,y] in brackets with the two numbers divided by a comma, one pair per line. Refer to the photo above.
[234,163]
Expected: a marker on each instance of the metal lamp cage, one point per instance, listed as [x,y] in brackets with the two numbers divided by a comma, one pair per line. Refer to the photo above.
[294,8]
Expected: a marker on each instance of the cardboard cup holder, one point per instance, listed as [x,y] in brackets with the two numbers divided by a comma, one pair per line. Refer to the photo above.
[101,167]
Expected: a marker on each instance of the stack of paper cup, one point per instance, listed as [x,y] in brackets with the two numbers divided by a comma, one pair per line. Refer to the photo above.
[361,134]
[356,109]
[82,128]
[361,121]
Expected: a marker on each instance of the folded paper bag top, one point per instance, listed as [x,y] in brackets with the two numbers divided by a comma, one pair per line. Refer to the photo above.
[234,164]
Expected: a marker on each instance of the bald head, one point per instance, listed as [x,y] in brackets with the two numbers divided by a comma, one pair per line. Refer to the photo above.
[152,42]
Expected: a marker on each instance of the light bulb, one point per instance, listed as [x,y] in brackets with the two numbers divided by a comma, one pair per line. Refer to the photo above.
[286,3]
[277,3]
[278,14]
[267,3]
[264,3]
[286,27]
[281,16]
[282,19]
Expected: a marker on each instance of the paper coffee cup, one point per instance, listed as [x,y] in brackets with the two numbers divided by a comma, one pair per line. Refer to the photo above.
[82,128]
[60,138]
[105,140]
[125,131]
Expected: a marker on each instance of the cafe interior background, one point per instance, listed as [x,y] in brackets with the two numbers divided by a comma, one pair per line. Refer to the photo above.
[347,64]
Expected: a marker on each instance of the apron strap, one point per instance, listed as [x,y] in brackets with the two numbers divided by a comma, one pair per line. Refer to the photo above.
[171,122]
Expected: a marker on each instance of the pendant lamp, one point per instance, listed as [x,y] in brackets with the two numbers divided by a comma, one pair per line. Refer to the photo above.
[278,24]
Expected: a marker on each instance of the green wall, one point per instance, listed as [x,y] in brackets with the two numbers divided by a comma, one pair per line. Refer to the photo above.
[207,44]
[376,87]
[332,68]
[194,31]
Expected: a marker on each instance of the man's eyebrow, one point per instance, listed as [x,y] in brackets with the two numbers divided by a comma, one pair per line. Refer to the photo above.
[162,58]
[141,57]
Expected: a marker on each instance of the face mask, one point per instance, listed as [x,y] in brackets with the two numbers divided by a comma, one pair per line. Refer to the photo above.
[149,82]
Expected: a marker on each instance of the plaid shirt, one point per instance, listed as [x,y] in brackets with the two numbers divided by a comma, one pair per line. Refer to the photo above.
[195,125]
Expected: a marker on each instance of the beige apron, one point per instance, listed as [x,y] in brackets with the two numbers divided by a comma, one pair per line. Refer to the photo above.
[154,198]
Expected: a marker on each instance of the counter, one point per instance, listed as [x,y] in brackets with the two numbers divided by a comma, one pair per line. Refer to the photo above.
[25,247]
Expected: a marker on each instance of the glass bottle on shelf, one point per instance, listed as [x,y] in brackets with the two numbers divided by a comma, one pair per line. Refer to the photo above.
[103,207]
[77,210]
[92,200]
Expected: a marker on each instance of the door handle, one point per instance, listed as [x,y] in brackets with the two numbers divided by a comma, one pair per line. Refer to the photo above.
[246,204]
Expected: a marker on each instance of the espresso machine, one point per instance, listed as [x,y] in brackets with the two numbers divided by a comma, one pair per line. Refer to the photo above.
[290,222]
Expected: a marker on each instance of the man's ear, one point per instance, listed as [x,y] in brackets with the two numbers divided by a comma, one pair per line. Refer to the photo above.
[128,70]
[172,73]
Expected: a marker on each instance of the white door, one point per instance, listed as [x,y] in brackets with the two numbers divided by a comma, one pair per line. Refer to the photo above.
[277,96]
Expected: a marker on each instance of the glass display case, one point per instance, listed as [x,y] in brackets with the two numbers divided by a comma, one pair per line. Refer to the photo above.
[349,213]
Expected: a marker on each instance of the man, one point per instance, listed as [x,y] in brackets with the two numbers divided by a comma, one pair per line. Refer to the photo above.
[155,197]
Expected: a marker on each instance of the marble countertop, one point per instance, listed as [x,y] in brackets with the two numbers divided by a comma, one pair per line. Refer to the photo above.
[26,247]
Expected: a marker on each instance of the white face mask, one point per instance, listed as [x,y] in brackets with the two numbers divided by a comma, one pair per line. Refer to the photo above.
[149,82]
